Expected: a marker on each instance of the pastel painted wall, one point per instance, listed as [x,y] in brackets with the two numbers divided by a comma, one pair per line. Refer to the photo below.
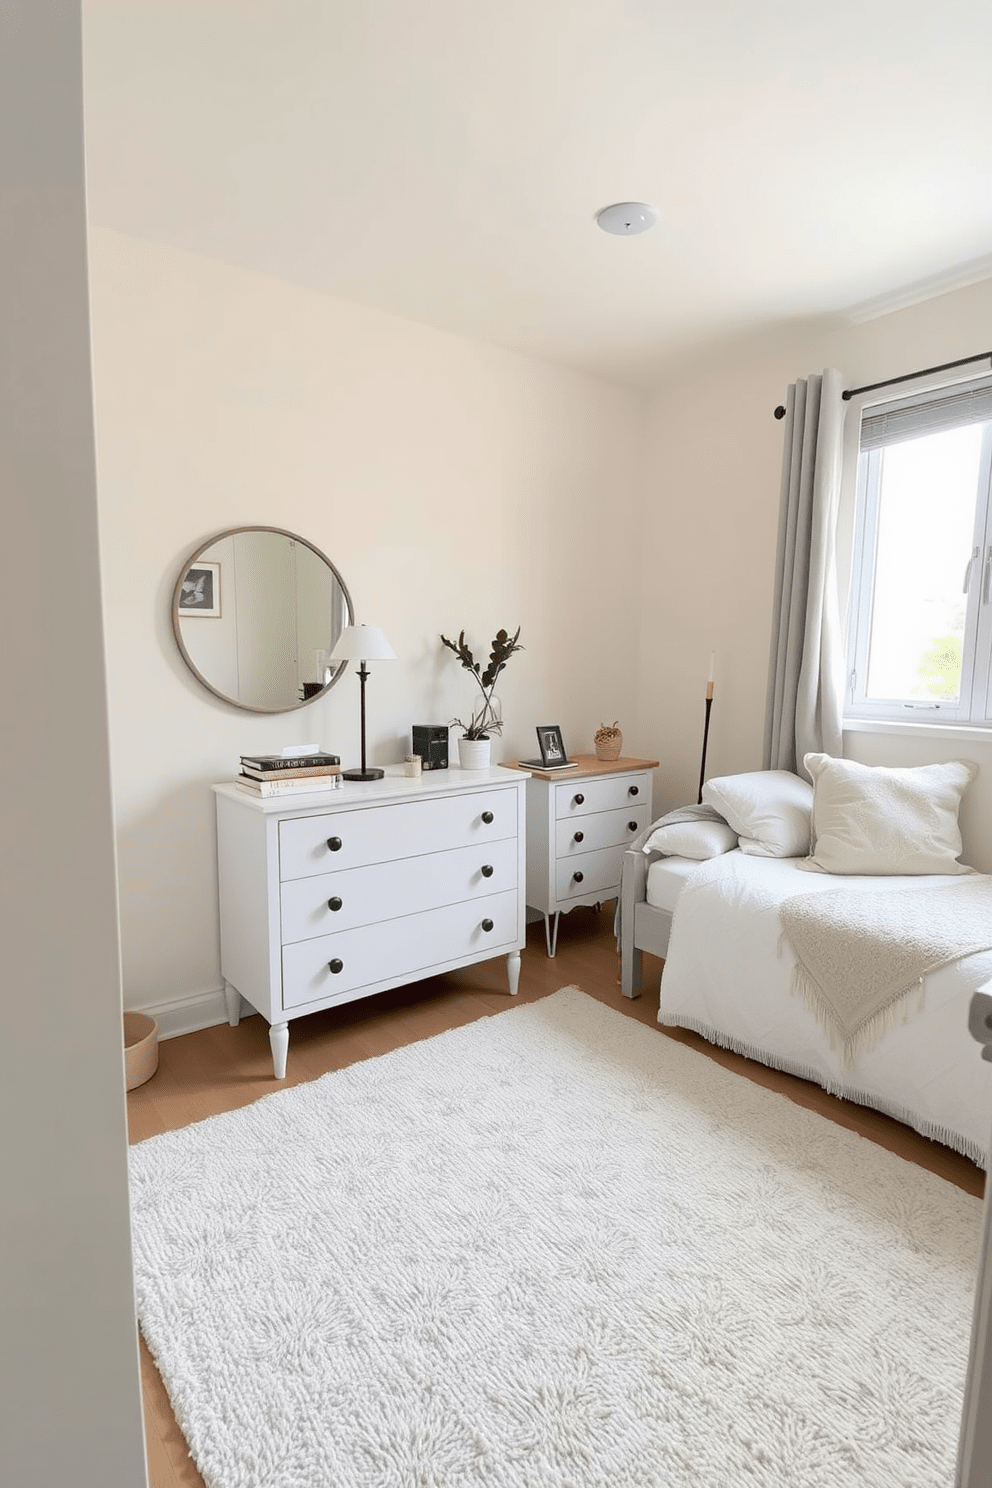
[453,484]
[710,520]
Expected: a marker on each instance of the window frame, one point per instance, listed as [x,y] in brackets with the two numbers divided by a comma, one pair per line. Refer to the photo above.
[974,706]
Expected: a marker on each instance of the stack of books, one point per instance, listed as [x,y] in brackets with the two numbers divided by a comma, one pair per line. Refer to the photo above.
[269,775]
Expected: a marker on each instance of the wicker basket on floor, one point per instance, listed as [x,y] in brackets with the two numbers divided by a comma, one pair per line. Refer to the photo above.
[140,1048]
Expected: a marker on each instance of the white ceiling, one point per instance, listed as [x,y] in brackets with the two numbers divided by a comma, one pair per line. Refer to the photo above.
[444,159]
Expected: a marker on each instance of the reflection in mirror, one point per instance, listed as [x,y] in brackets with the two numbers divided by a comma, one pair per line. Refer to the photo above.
[256,612]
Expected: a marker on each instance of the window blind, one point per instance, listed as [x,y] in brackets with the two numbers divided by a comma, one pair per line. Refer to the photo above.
[948,409]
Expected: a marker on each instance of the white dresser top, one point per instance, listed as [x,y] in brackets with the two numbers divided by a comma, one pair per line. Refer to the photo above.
[394,786]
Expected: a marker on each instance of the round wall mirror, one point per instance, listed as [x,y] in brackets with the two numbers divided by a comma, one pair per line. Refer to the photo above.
[256,612]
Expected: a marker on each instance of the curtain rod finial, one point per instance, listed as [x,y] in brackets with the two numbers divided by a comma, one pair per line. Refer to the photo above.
[780,411]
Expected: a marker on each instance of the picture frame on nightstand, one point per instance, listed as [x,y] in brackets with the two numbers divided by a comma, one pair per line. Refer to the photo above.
[552,746]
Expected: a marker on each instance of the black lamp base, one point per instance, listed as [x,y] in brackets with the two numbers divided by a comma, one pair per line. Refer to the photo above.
[362,774]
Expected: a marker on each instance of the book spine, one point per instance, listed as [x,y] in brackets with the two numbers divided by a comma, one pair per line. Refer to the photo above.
[271,788]
[289,762]
[305,774]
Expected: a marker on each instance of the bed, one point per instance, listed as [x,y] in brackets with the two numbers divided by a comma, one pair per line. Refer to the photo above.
[730,975]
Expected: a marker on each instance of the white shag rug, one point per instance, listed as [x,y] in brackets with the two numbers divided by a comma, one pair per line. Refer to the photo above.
[551,1249]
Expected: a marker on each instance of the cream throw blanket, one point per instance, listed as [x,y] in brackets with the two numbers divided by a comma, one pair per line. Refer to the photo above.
[859,956]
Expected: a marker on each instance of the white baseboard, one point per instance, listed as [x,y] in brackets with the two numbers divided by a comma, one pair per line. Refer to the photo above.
[190,1014]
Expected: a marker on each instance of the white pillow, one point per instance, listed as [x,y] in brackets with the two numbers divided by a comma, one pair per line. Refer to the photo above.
[768,809]
[692,839]
[876,819]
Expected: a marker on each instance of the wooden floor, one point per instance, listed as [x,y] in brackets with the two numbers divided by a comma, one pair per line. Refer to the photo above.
[222,1068]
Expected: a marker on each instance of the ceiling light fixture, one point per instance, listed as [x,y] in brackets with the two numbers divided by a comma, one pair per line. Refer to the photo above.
[624,219]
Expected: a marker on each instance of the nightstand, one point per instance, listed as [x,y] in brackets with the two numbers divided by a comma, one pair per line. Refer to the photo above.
[579,822]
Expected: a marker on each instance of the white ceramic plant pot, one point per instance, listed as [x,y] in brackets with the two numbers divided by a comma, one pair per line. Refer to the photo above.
[474,754]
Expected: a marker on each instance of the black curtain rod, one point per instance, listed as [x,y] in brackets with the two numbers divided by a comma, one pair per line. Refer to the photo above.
[906,377]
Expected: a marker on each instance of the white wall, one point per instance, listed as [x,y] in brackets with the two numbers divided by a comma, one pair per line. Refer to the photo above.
[453,484]
[711,512]
[69,1379]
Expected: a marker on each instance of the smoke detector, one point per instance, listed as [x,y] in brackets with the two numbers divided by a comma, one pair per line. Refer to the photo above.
[625,219]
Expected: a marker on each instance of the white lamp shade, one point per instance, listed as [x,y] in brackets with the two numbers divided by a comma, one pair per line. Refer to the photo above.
[362,643]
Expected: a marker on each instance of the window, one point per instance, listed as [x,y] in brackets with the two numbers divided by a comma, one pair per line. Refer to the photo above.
[920,620]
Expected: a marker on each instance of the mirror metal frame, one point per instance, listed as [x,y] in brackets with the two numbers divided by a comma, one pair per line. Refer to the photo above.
[224,697]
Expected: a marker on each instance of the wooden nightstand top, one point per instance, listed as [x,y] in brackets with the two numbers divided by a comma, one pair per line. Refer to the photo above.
[587,764]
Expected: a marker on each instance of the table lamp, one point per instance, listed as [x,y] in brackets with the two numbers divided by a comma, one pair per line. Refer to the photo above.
[362,643]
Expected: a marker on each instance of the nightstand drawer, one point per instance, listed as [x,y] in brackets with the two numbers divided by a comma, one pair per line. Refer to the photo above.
[605,829]
[589,873]
[353,839]
[331,902]
[608,793]
[319,971]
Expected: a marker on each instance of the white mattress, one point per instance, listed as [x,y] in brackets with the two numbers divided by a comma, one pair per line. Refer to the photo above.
[734,987]
[666,880]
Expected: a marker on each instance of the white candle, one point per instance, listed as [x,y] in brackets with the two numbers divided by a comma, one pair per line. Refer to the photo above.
[712,664]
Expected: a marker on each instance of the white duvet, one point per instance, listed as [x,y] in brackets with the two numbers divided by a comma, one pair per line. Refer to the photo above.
[727,977]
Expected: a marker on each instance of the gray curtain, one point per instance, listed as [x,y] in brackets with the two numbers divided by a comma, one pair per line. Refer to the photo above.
[805,686]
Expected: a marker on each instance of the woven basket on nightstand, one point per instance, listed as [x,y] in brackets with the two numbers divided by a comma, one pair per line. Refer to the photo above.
[609,749]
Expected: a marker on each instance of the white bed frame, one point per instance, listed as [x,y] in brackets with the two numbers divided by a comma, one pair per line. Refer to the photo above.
[922,1074]
[651,927]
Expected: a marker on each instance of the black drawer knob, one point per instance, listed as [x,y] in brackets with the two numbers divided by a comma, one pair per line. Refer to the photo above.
[579,837]
[334,844]
[487,870]
[487,817]
[631,826]
[487,925]
[336,965]
[578,877]
[577,801]
[334,903]
[634,790]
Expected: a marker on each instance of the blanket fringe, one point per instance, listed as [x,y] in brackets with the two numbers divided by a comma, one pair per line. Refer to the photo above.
[978,1154]
[899,1006]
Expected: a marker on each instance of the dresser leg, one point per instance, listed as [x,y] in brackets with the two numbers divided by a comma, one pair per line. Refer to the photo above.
[233,999]
[551,934]
[513,971]
[279,1044]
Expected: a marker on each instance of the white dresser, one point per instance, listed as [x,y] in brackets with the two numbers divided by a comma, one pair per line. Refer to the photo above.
[579,822]
[340,894]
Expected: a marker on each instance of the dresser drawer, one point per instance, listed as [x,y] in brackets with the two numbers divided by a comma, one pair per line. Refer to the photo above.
[410,946]
[606,793]
[600,872]
[605,829]
[352,839]
[407,886]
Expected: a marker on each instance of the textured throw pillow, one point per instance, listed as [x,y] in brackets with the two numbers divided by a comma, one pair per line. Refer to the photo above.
[874,819]
[768,809]
[692,839]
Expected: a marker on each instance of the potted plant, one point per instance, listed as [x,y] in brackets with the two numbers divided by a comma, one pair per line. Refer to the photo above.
[485,721]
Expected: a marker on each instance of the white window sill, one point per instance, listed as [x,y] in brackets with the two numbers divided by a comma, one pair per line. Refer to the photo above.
[918,729]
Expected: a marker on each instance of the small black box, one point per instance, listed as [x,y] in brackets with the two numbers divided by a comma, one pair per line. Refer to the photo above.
[430,741]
